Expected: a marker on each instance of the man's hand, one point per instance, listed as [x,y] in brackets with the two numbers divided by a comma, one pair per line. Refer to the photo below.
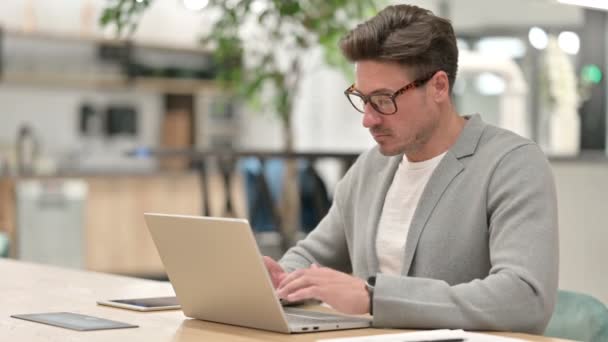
[277,274]
[343,292]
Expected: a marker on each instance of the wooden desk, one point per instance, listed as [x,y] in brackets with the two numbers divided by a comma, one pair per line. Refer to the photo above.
[30,288]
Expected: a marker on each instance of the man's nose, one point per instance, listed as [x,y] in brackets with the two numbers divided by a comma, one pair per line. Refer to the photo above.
[371,117]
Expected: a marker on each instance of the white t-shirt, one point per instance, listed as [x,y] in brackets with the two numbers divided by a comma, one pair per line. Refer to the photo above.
[399,206]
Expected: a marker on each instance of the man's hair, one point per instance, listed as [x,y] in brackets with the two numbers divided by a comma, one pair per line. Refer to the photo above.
[406,34]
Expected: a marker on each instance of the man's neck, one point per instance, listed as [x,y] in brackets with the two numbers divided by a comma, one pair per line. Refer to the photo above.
[443,137]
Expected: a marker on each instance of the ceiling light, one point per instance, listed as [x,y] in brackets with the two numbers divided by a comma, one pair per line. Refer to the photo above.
[538,38]
[569,42]
[597,4]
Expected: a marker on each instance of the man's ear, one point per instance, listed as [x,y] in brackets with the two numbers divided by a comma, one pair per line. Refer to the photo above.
[440,85]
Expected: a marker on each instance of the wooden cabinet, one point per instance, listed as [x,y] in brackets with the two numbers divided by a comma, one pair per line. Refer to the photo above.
[116,238]
[7,210]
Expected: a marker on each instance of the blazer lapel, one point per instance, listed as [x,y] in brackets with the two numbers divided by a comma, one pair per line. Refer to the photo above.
[449,167]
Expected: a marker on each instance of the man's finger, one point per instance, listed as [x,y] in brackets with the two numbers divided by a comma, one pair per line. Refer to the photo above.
[294,285]
[311,292]
[289,277]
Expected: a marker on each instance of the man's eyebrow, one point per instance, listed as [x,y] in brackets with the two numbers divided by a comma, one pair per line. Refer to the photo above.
[376,91]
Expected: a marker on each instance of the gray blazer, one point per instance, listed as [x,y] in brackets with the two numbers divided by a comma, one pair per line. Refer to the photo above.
[482,249]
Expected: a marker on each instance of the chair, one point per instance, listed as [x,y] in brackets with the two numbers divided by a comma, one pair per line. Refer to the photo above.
[3,245]
[580,317]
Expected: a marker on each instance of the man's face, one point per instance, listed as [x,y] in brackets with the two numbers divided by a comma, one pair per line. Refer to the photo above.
[408,129]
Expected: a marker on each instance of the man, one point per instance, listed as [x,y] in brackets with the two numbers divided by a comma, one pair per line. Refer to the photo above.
[452,222]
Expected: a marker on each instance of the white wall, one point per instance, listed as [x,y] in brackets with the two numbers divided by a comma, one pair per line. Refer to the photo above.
[324,120]
[52,110]
[53,115]
[582,188]
[323,117]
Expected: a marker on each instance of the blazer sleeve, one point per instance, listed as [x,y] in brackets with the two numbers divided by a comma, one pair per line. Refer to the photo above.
[520,291]
[327,244]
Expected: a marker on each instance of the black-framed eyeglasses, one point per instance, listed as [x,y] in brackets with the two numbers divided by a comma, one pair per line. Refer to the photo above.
[382,102]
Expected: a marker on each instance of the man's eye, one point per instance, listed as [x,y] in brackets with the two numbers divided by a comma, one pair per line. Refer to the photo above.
[382,101]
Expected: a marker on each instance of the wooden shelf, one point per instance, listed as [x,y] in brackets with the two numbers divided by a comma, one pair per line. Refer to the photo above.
[163,85]
[115,78]
[62,80]
[174,85]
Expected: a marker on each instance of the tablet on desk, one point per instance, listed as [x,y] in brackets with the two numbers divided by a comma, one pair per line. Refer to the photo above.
[74,321]
[144,304]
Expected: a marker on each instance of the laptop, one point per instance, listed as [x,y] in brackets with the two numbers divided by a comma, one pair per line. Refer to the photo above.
[219,275]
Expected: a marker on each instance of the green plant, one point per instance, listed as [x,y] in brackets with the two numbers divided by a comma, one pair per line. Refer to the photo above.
[258,45]
[258,48]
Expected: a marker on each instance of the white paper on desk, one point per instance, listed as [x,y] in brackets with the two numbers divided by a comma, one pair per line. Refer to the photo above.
[428,335]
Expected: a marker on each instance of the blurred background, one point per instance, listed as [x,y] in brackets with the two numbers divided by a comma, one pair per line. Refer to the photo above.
[96,130]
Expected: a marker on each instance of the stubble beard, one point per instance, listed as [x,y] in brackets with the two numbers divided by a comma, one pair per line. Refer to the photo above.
[420,140]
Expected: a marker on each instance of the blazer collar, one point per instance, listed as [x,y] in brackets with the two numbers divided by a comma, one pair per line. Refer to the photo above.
[467,142]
